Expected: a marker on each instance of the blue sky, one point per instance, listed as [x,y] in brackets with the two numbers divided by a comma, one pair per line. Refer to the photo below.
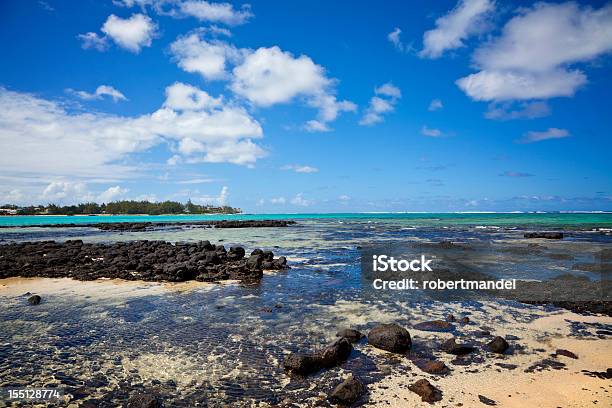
[308,106]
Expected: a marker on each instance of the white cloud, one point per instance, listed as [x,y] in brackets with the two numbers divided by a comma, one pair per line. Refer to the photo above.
[132,33]
[111,194]
[532,57]
[525,110]
[395,38]
[550,133]
[278,200]
[215,12]
[384,101]
[344,197]
[180,96]
[60,191]
[300,169]
[195,54]
[316,126]
[270,76]
[301,201]
[455,27]
[100,92]
[431,132]
[197,181]
[200,9]
[435,105]
[56,142]
[93,40]
[221,199]
[508,85]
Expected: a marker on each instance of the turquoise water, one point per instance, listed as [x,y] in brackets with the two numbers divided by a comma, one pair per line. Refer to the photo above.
[501,219]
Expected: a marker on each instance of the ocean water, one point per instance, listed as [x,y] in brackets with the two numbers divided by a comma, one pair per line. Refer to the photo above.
[223,344]
[602,219]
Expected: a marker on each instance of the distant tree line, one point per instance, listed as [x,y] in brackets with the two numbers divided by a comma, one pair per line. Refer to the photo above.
[121,207]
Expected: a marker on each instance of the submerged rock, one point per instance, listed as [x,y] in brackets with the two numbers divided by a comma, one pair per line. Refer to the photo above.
[351,334]
[302,364]
[335,353]
[348,391]
[390,337]
[566,353]
[450,346]
[435,326]
[545,235]
[328,357]
[498,345]
[34,300]
[426,391]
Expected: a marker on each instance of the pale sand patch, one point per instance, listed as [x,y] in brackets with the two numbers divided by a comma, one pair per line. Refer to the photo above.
[101,289]
[516,388]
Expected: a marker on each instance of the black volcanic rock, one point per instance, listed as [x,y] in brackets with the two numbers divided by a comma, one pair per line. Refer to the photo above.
[34,300]
[390,337]
[134,260]
[545,235]
[348,391]
[498,345]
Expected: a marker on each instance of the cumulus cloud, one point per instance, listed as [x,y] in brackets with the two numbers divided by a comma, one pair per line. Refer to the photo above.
[431,132]
[111,194]
[435,105]
[209,58]
[299,200]
[215,12]
[100,93]
[455,27]
[220,199]
[92,40]
[132,33]
[270,76]
[56,142]
[533,56]
[299,168]
[384,101]
[550,133]
[316,126]
[180,96]
[202,10]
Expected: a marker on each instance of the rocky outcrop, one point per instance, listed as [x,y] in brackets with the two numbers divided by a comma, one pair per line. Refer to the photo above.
[390,337]
[498,345]
[136,260]
[426,391]
[435,326]
[34,300]
[151,226]
[348,391]
[351,335]
[545,235]
[450,346]
[328,357]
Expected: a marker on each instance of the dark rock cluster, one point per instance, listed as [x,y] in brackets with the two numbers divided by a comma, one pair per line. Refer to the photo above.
[136,260]
[150,226]
[330,356]
[545,235]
